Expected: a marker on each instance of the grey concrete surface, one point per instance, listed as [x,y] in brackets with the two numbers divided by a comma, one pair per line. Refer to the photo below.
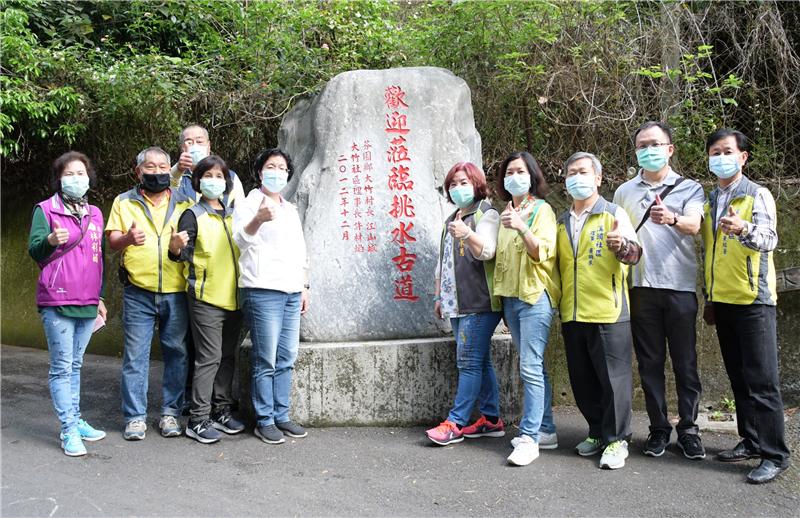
[338,471]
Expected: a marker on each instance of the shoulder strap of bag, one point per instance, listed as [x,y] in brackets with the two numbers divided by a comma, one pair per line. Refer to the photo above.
[73,245]
[663,195]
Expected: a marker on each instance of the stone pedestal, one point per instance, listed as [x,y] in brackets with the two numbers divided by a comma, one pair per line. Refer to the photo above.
[390,382]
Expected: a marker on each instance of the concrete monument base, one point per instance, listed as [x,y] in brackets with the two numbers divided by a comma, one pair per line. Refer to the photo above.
[389,382]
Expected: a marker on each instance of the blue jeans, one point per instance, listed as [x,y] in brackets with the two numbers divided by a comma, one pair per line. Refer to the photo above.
[476,378]
[274,321]
[141,311]
[530,330]
[67,339]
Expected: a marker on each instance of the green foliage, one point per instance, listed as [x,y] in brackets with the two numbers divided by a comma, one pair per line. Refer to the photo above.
[110,77]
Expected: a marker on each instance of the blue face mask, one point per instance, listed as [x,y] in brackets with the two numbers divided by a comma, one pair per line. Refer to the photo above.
[517,184]
[74,186]
[462,196]
[274,181]
[212,188]
[652,158]
[581,186]
[198,152]
[724,166]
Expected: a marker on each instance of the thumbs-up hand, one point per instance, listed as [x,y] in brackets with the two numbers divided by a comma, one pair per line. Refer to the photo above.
[660,213]
[185,162]
[58,236]
[178,241]
[267,211]
[614,239]
[731,223]
[510,218]
[457,228]
[135,236]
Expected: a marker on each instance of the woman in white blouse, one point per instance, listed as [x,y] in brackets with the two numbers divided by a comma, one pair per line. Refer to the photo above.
[274,291]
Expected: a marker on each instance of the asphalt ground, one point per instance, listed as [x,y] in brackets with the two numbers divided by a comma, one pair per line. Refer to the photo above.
[339,471]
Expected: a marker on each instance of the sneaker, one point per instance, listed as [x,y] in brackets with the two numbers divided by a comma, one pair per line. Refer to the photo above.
[169,426]
[484,428]
[223,420]
[88,433]
[72,444]
[692,446]
[269,434]
[203,431]
[135,430]
[589,446]
[614,455]
[525,451]
[292,429]
[548,441]
[446,433]
[656,443]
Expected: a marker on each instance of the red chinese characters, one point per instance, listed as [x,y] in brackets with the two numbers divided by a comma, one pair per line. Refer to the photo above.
[355,198]
[401,186]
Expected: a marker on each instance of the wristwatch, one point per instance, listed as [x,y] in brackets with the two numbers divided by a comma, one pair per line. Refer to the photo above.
[675,220]
[745,229]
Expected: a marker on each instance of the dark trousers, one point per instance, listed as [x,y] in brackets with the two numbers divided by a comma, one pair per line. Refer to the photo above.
[599,361]
[216,337]
[661,318]
[748,339]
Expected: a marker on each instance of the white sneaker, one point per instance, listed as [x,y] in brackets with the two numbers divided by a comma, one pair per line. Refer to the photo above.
[614,455]
[525,451]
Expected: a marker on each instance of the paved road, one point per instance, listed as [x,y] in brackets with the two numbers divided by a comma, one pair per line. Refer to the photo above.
[338,471]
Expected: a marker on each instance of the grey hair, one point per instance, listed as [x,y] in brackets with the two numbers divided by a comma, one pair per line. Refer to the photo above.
[152,149]
[598,168]
[183,133]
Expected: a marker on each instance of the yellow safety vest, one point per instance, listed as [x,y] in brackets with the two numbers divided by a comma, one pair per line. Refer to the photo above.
[592,280]
[148,266]
[735,274]
[212,271]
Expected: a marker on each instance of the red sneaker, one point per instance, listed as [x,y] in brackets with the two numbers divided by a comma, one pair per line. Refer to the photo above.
[483,428]
[446,433]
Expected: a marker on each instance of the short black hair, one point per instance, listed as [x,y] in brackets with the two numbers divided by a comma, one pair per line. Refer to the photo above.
[539,187]
[654,124]
[207,164]
[265,155]
[742,142]
[61,162]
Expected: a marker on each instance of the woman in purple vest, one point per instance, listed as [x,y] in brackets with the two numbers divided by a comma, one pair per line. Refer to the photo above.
[66,241]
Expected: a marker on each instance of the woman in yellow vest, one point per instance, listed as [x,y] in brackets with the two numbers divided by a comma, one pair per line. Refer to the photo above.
[739,235]
[524,262]
[204,243]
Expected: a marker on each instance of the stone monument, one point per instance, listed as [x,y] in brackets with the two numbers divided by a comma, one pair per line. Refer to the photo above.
[370,155]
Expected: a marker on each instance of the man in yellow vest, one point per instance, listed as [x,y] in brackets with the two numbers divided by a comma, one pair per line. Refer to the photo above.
[595,242]
[140,226]
[739,235]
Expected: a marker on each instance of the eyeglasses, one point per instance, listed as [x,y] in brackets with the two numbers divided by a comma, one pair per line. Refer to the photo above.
[654,144]
[199,141]
[273,167]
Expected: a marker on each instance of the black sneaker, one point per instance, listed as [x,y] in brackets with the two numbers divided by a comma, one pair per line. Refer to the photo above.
[269,434]
[292,429]
[202,431]
[224,421]
[692,446]
[656,443]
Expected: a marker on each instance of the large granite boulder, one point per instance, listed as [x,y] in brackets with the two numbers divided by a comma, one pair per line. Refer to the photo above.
[370,154]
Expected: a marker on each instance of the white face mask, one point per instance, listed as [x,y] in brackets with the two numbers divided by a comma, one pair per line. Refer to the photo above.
[198,152]
[724,166]
[274,180]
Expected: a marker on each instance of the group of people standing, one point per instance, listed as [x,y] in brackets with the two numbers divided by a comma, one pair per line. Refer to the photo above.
[192,267]
[525,263]
[200,261]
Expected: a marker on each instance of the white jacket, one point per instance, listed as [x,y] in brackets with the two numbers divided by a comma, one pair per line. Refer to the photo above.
[275,257]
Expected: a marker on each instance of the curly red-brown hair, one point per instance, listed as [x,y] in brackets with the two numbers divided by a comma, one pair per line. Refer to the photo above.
[475,176]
